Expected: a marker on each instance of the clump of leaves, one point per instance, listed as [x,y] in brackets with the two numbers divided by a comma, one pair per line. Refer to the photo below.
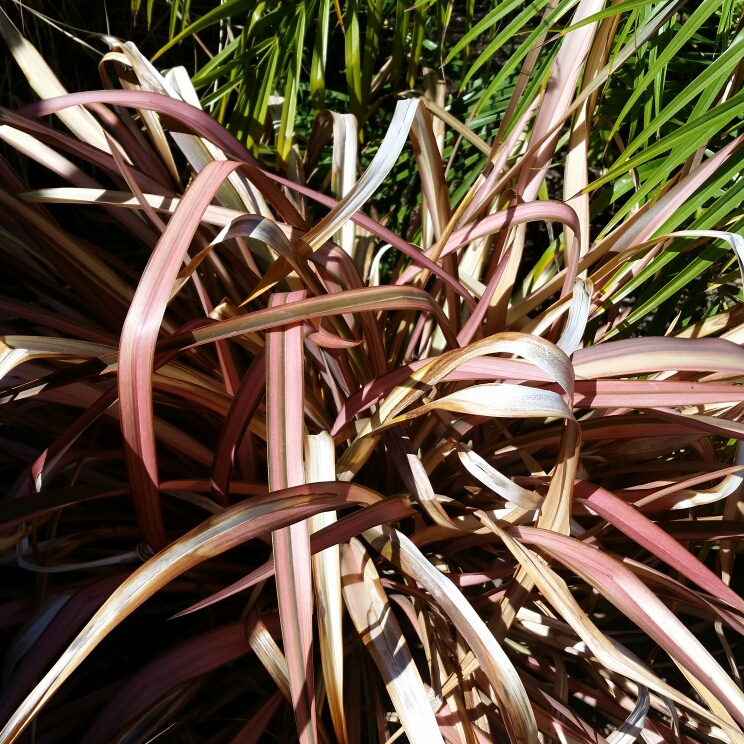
[439,505]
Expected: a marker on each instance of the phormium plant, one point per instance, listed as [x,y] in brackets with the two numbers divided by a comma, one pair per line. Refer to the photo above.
[276,486]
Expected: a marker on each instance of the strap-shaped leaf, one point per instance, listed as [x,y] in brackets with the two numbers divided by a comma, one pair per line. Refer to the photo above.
[284,421]
[374,620]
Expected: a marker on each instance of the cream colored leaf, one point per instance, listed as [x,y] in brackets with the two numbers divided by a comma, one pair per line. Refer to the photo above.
[46,84]
[511,695]
[373,618]
[320,465]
